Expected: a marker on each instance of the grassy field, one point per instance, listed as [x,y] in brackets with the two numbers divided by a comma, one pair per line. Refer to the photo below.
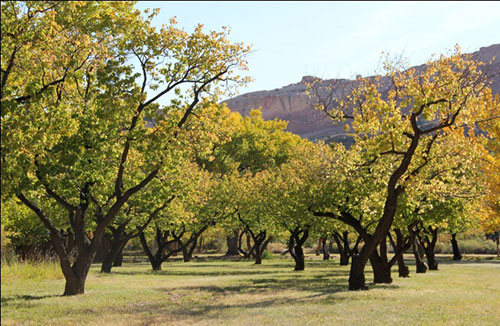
[239,293]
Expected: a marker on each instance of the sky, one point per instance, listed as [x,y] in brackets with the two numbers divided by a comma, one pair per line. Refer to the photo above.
[336,39]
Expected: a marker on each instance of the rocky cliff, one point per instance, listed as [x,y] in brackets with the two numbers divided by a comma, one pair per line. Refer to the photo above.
[292,104]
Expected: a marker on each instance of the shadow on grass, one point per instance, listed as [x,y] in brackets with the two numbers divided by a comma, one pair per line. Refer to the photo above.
[223,269]
[191,301]
[464,261]
[8,300]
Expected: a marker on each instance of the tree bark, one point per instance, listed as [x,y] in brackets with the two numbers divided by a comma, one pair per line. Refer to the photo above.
[400,246]
[118,262]
[342,242]
[381,269]
[403,270]
[295,247]
[356,274]
[430,247]
[454,244]
[117,245]
[419,262]
[187,251]
[232,244]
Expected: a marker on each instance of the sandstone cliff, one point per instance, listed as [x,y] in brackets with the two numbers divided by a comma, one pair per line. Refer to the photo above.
[291,103]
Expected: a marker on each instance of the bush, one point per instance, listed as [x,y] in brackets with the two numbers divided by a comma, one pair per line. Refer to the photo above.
[267,255]
[7,250]
[477,245]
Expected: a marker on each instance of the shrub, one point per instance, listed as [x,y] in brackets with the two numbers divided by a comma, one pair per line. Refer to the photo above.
[267,255]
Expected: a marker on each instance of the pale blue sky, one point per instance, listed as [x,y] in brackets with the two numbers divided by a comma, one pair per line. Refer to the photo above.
[337,39]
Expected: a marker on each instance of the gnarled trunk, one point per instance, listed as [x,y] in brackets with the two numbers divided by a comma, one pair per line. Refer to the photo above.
[429,246]
[345,251]
[295,247]
[419,261]
[400,246]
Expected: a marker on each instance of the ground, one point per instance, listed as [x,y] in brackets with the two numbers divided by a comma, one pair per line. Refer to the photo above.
[240,293]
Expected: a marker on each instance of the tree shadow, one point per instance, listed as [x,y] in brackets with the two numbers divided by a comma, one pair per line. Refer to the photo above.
[320,289]
[23,297]
[223,269]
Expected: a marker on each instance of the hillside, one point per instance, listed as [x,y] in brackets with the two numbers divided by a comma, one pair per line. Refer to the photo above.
[291,103]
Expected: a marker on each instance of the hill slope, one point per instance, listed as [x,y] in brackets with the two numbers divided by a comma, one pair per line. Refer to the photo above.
[291,103]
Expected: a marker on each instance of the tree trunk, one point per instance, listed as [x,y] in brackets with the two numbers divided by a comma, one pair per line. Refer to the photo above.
[454,244]
[74,286]
[156,265]
[295,247]
[113,254]
[118,262]
[356,274]
[258,256]
[403,270]
[232,245]
[299,258]
[187,252]
[343,247]
[381,269]
[326,253]
[419,262]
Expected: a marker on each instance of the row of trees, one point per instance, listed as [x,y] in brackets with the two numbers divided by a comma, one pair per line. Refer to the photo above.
[87,149]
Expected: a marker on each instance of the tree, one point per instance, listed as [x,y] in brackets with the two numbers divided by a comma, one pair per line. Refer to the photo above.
[74,112]
[400,117]
[256,145]
[290,190]
[490,212]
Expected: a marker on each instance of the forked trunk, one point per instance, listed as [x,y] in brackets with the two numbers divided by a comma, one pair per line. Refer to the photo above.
[113,255]
[295,247]
[419,262]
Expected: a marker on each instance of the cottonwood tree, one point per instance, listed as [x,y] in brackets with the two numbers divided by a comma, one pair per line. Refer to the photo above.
[74,110]
[400,117]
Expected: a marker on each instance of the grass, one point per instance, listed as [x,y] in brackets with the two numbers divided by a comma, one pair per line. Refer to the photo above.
[240,293]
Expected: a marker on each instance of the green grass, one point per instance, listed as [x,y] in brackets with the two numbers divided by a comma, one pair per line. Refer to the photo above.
[240,293]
